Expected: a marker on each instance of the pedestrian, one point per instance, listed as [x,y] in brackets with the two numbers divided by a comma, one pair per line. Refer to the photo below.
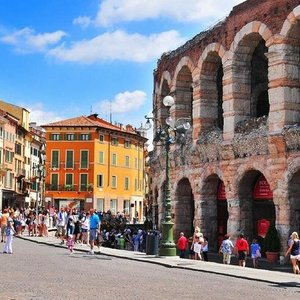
[182,245]
[205,248]
[94,229]
[61,224]
[242,249]
[9,232]
[294,252]
[3,223]
[255,252]
[197,248]
[70,234]
[226,249]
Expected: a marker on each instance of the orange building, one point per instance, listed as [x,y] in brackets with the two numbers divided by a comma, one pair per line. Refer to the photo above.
[93,163]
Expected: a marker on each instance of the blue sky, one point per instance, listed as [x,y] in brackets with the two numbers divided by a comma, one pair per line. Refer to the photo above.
[66,58]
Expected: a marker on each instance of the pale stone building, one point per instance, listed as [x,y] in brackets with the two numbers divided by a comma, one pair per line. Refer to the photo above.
[239,167]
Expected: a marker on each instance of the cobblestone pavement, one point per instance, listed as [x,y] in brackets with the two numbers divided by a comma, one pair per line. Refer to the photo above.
[37,271]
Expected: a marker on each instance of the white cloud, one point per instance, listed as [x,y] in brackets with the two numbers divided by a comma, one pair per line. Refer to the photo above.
[116,11]
[26,40]
[119,45]
[123,102]
[41,116]
[82,21]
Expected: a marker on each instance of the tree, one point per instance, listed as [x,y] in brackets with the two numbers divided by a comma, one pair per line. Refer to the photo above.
[272,241]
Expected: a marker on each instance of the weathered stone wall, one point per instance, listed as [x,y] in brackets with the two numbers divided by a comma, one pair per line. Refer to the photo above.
[245,146]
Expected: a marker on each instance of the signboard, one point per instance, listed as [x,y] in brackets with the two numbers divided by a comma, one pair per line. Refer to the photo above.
[262,227]
[262,189]
[221,192]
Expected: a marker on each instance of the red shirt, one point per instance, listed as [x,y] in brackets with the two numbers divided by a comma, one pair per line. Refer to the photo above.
[182,243]
[242,245]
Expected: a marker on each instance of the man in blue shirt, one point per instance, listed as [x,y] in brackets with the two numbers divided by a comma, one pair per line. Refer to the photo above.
[94,228]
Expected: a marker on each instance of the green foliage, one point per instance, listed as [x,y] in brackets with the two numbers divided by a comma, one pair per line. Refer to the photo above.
[272,240]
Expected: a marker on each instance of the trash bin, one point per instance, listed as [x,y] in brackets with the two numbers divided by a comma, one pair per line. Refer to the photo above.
[152,241]
[122,243]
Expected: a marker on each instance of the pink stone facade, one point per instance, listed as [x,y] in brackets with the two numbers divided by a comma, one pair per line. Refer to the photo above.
[240,84]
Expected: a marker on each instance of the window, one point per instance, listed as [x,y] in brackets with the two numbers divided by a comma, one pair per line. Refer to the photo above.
[83,182]
[9,180]
[114,141]
[114,159]
[100,204]
[69,179]
[126,183]
[126,207]
[84,155]
[114,182]
[18,149]
[55,136]
[84,136]
[9,156]
[70,136]
[99,180]
[55,159]
[127,144]
[135,163]
[101,157]
[113,206]
[54,182]
[101,138]
[70,159]
[127,164]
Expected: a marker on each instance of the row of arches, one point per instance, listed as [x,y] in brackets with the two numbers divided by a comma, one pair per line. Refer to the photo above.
[228,86]
[251,211]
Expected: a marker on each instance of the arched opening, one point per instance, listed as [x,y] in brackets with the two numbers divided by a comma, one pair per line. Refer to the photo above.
[184,94]
[214,213]
[259,81]
[184,208]
[257,209]
[211,90]
[294,202]
[222,212]
[250,78]
[162,111]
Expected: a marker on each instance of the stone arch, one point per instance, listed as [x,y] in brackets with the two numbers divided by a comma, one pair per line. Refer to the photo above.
[162,111]
[253,207]
[211,211]
[294,201]
[183,89]
[183,208]
[211,86]
[246,74]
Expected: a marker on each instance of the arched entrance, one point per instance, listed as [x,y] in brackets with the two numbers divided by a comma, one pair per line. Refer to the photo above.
[184,207]
[222,212]
[257,206]
[294,202]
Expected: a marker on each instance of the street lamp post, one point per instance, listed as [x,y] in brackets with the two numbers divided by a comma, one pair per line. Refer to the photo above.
[167,135]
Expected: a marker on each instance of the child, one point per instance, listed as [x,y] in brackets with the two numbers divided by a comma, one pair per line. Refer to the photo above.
[255,252]
[70,240]
[205,248]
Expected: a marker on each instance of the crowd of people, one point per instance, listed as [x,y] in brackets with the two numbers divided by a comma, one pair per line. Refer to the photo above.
[98,229]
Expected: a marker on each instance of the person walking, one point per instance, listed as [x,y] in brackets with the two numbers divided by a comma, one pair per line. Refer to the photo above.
[242,249]
[226,249]
[294,252]
[255,252]
[205,248]
[182,245]
[70,234]
[94,229]
[3,223]
[9,232]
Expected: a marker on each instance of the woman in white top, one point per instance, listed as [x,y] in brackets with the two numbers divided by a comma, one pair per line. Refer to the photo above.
[9,232]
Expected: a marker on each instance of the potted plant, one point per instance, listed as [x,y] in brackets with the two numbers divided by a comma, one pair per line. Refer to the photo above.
[272,243]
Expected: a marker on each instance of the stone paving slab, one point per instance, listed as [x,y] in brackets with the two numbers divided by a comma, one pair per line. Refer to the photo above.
[269,276]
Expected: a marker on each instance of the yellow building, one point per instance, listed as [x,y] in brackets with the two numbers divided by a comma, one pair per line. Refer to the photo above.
[93,163]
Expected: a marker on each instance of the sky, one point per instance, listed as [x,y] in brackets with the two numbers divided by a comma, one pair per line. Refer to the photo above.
[66,58]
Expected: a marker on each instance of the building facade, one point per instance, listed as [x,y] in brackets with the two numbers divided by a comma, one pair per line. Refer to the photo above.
[91,163]
[239,82]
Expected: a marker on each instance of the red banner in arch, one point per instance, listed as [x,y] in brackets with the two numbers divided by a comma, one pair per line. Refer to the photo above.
[262,227]
[221,192]
[262,189]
